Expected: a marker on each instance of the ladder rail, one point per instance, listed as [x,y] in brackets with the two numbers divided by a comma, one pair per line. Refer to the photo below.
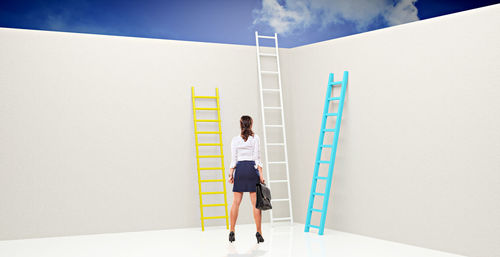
[222,154]
[263,117]
[333,153]
[197,160]
[318,153]
[283,128]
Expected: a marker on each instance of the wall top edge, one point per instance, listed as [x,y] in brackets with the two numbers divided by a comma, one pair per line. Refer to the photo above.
[112,37]
[476,11]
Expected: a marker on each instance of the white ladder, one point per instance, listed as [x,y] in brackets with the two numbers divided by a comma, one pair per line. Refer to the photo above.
[282,125]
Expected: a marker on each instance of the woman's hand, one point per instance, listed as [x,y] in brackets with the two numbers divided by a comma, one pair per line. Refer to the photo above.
[261,174]
[231,178]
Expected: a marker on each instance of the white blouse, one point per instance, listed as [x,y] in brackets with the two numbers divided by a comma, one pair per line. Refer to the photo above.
[245,151]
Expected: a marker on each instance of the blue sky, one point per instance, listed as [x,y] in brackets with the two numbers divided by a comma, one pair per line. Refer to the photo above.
[298,22]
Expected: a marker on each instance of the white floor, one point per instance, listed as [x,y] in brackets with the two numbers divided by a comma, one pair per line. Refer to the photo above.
[280,241]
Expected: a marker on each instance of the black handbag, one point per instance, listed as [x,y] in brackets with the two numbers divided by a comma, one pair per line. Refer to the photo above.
[263,197]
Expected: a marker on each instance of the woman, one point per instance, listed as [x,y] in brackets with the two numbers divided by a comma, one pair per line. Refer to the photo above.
[245,173]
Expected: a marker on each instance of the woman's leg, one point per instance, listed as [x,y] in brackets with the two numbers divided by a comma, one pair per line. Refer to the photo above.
[257,214]
[237,196]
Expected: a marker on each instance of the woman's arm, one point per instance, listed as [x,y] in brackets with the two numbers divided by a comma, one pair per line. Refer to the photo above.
[234,158]
[256,157]
[231,178]
[261,174]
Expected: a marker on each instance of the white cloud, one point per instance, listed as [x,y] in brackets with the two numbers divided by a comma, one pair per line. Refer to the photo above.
[404,11]
[283,19]
[295,15]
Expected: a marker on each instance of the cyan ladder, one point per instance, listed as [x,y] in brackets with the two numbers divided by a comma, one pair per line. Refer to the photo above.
[321,146]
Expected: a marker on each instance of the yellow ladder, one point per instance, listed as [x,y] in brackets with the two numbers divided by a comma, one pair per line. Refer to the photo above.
[198,156]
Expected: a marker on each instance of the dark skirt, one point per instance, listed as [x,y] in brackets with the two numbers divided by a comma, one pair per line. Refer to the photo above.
[246,177]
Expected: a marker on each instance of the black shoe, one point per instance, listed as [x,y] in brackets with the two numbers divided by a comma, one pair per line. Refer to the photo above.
[231,236]
[260,239]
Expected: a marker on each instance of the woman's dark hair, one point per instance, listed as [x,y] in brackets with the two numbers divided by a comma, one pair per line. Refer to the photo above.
[246,127]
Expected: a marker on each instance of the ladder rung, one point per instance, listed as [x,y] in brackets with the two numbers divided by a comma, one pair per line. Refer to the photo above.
[211,180]
[211,168]
[327,146]
[271,55]
[214,217]
[276,144]
[328,130]
[212,205]
[333,98]
[318,177]
[313,226]
[210,144]
[210,156]
[270,89]
[320,194]
[207,120]
[206,109]
[274,126]
[324,161]
[207,132]
[209,97]
[279,200]
[335,83]
[275,162]
[273,108]
[269,37]
[212,193]
[278,181]
[331,114]
[284,218]
[317,210]
[268,72]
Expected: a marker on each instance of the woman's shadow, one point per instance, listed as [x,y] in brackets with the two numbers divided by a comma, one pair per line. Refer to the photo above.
[254,251]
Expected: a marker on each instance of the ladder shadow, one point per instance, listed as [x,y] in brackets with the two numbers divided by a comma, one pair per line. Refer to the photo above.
[316,246]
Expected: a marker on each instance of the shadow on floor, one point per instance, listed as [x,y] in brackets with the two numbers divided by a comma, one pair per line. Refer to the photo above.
[254,251]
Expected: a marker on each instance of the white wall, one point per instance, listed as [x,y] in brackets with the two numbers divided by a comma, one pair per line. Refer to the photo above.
[96,131]
[419,154]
